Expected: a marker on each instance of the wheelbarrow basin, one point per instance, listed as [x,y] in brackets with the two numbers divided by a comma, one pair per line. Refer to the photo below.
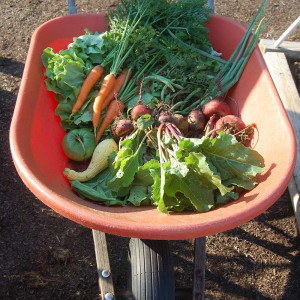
[36,136]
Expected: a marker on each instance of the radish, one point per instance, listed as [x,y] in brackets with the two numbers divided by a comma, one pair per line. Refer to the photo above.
[216,106]
[196,120]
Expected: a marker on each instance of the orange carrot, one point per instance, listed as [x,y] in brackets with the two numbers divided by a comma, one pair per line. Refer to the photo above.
[114,109]
[106,86]
[86,87]
[120,81]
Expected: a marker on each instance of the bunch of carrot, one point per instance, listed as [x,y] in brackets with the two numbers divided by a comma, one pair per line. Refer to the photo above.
[105,98]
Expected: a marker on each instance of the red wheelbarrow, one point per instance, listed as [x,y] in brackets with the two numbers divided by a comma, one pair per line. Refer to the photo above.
[36,135]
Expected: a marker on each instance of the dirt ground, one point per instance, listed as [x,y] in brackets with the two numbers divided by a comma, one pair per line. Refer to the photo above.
[45,256]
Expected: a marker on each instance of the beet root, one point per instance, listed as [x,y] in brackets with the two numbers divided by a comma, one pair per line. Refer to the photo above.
[122,128]
[181,123]
[216,107]
[196,120]
[231,124]
[140,110]
[166,118]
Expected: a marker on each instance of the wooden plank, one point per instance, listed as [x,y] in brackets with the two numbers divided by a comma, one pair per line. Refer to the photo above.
[283,80]
[290,49]
[103,265]
[199,268]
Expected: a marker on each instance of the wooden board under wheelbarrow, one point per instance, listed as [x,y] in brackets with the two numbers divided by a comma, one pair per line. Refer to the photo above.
[277,62]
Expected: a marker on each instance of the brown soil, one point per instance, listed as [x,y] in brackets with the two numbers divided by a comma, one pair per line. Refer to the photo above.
[45,256]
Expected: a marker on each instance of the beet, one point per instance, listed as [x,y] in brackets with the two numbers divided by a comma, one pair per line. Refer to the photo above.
[140,110]
[196,120]
[122,128]
[217,107]
[182,123]
[230,124]
[166,118]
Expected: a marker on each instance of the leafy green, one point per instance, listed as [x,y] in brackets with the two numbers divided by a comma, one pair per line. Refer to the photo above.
[96,189]
[66,71]
[233,161]
[199,195]
[138,194]
[144,122]
[166,45]
[203,173]
[198,175]
[127,162]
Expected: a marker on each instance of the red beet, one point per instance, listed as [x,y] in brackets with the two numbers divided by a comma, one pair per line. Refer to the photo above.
[181,123]
[166,118]
[140,110]
[196,120]
[230,124]
[217,107]
[121,128]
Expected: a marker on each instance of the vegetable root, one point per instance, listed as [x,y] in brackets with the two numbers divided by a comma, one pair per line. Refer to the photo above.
[230,124]
[120,82]
[94,75]
[115,108]
[217,107]
[106,87]
[98,163]
[140,110]
[182,123]
[196,120]
[122,128]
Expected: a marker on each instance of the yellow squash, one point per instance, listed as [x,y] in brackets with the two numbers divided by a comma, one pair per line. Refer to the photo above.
[98,163]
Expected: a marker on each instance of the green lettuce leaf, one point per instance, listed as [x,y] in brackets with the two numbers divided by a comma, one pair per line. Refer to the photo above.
[67,69]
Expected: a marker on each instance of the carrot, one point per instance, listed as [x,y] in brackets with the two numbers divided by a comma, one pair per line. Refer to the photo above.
[86,87]
[120,81]
[106,86]
[114,109]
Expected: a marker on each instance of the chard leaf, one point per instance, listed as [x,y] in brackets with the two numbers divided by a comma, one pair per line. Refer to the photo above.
[178,168]
[247,185]
[94,194]
[153,167]
[144,122]
[127,163]
[200,196]
[178,203]
[137,195]
[143,177]
[223,199]
[198,162]
[187,145]
[232,159]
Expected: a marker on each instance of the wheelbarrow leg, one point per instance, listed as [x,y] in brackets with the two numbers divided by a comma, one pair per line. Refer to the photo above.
[103,266]
[199,268]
